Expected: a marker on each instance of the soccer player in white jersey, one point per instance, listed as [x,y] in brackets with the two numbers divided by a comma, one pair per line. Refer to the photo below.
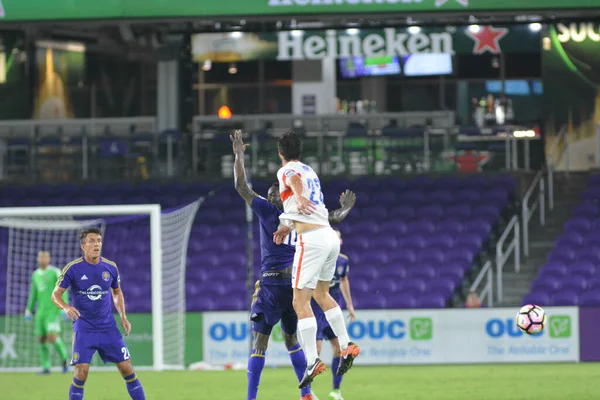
[317,250]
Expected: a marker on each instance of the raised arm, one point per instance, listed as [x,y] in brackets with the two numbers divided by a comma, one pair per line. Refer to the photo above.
[119,301]
[347,201]
[239,171]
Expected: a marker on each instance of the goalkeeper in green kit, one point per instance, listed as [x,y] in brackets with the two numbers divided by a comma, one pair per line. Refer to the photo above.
[47,316]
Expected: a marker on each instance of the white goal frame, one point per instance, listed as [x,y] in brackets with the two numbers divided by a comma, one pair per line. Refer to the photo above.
[154,212]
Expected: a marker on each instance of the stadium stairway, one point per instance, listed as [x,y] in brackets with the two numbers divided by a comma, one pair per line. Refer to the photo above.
[567,192]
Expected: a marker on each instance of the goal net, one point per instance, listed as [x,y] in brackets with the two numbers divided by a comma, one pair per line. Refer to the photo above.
[149,247]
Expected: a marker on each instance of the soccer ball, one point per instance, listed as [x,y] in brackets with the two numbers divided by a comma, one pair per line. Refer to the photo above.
[531,319]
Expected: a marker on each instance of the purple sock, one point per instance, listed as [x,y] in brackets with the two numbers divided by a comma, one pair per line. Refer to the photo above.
[134,387]
[299,362]
[337,380]
[76,389]
[255,367]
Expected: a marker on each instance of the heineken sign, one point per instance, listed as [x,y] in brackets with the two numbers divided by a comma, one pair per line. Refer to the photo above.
[314,45]
[379,43]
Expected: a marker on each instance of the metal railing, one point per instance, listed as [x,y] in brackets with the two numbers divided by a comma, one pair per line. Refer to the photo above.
[487,293]
[528,210]
[563,135]
[502,255]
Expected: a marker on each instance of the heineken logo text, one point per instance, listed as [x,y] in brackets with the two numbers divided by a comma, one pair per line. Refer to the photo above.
[389,42]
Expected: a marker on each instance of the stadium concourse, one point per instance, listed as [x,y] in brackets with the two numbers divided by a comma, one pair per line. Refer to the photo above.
[411,242]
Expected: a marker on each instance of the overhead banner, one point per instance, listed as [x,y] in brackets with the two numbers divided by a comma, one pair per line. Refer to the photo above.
[31,10]
[415,337]
[300,45]
[570,71]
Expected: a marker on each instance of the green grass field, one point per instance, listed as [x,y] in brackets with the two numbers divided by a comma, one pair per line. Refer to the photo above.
[502,382]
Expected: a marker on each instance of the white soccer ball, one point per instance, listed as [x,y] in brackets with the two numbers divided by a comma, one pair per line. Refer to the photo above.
[531,319]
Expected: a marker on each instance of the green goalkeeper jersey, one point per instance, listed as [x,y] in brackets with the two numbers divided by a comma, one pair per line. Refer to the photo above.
[42,286]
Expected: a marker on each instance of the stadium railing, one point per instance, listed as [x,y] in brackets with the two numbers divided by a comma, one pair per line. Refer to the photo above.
[558,148]
[487,292]
[503,253]
[528,210]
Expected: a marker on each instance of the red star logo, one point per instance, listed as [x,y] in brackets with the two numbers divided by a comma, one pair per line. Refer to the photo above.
[439,3]
[487,39]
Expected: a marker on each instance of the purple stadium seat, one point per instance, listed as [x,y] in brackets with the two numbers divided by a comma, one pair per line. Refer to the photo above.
[440,197]
[479,226]
[579,224]
[459,211]
[359,286]
[404,213]
[421,272]
[365,272]
[412,285]
[371,302]
[564,254]
[416,241]
[462,254]
[374,213]
[375,259]
[593,283]
[386,287]
[547,283]
[443,286]
[590,253]
[421,182]
[387,198]
[451,227]
[365,228]
[432,255]
[554,267]
[565,298]
[576,283]
[425,227]
[451,183]
[431,300]
[540,298]
[432,212]
[402,257]
[569,240]
[395,273]
[402,300]
[583,268]
[590,299]
[441,240]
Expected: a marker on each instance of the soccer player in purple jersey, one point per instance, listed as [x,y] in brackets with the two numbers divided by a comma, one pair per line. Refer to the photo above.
[92,278]
[272,300]
[338,287]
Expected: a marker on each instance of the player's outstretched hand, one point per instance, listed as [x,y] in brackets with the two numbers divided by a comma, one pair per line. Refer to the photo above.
[351,314]
[126,326]
[27,315]
[347,199]
[238,144]
[305,206]
[72,313]
[281,233]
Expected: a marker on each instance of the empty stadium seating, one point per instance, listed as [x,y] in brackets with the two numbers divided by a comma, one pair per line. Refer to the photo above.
[410,242]
[571,275]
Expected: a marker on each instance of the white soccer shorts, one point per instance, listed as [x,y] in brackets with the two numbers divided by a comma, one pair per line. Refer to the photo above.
[316,255]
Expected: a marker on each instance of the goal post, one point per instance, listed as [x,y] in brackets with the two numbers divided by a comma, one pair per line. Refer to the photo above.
[170,229]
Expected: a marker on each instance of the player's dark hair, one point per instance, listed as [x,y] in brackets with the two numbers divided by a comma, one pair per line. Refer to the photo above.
[290,146]
[83,234]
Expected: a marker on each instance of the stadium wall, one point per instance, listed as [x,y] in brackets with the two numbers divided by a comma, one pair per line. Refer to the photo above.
[386,337]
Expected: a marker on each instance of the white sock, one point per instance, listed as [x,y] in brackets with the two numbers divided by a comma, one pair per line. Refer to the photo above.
[335,317]
[308,332]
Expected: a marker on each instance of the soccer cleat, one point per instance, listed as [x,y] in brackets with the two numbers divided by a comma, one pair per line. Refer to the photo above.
[65,367]
[347,358]
[311,372]
[335,395]
[44,372]
[309,396]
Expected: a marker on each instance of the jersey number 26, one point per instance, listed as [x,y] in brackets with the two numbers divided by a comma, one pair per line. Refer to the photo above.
[316,196]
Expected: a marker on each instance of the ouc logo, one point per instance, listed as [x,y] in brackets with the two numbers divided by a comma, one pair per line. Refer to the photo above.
[559,327]
[416,329]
